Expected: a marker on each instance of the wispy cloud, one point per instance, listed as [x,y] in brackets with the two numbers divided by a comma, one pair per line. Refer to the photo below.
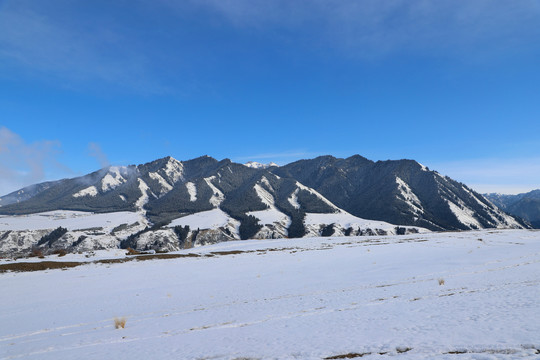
[94,150]
[38,38]
[509,176]
[130,47]
[23,163]
[372,28]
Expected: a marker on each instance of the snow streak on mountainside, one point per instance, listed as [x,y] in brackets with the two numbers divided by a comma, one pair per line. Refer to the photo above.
[217,196]
[293,200]
[143,187]
[274,222]
[314,192]
[409,197]
[166,187]
[192,190]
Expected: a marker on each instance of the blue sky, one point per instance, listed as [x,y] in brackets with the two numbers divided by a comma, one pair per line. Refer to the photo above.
[452,84]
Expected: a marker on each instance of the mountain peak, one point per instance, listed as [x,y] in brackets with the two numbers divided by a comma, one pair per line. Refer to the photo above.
[161,162]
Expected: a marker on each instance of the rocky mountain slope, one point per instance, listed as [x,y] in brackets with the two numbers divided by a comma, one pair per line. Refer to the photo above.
[398,191]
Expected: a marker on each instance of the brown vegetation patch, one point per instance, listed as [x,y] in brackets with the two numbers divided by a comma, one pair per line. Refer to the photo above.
[133,255]
[109,261]
[457,352]
[36,252]
[347,356]
[131,251]
[46,265]
[166,256]
[231,252]
[281,249]
[60,252]
[38,266]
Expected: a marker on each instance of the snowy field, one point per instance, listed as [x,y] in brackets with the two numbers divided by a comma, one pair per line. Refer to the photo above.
[72,220]
[468,295]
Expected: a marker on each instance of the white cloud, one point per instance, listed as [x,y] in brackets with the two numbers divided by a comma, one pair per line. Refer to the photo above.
[23,164]
[59,41]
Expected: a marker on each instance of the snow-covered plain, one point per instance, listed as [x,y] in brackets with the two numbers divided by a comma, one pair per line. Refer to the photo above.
[305,298]
[204,220]
[344,219]
[71,220]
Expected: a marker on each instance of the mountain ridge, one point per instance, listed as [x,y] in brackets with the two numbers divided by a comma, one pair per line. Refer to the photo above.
[325,195]
[399,191]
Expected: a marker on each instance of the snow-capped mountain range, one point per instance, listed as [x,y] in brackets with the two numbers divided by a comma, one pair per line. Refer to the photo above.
[257,165]
[169,204]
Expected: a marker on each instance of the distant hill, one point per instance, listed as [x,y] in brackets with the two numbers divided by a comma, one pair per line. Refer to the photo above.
[526,205]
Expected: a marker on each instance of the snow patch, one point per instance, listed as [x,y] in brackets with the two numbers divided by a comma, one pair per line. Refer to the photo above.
[165,186]
[210,219]
[89,191]
[345,220]
[275,224]
[192,190]
[264,195]
[409,196]
[265,182]
[464,215]
[314,192]
[174,170]
[271,217]
[293,200]
[112,179]
[217,196]
[143,187]
[71,220]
